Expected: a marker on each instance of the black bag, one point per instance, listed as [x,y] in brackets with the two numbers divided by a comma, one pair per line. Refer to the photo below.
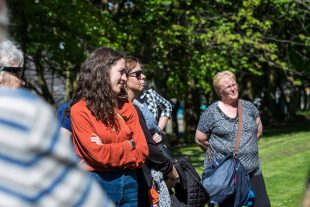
[164,149]
[175,201]
[190,190]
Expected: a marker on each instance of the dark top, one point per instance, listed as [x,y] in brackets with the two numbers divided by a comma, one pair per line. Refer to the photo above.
[156,160]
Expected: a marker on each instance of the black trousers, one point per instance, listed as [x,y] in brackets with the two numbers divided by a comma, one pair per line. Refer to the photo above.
[259,188]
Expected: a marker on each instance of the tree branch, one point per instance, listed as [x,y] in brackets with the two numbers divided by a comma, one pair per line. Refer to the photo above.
[284,41]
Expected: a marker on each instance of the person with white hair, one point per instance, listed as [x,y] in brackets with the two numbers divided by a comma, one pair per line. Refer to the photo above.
[11,65]
[37,166]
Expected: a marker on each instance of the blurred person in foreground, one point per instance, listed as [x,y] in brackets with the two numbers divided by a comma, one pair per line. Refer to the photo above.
[101,108]
[217,131]
[37,168]
[11,65]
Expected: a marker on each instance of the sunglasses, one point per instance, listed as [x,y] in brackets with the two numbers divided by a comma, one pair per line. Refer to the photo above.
[137,73]
[17,71]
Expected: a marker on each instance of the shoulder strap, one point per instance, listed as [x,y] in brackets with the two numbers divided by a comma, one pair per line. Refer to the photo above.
[240,126]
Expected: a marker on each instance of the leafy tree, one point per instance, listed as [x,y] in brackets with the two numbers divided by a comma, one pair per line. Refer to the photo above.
[182,43]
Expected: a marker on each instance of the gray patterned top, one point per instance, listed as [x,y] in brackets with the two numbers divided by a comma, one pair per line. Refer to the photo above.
[223,130]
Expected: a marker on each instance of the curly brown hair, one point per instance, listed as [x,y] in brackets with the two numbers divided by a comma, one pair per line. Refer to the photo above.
[94,85]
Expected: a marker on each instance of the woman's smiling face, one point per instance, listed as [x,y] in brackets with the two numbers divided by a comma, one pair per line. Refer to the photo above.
[229,88]
[118,76]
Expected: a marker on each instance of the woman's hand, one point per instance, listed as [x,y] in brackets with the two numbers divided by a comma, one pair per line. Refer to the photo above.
[157,138]
[94,138]
[170,182]
[172,178]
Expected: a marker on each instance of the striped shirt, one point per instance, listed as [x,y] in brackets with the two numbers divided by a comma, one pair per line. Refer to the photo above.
[36,160]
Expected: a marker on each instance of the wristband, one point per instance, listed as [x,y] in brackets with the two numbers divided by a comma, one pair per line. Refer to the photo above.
[132,143]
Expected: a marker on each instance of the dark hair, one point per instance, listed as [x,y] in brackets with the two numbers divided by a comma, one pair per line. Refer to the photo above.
[94,84]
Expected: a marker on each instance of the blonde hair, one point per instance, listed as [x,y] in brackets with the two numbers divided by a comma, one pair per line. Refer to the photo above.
[218,77]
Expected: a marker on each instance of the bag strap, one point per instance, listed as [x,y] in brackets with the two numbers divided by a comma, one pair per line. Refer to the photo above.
[240,126]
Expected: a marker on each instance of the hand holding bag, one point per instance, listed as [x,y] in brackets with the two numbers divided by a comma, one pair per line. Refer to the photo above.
[227,177]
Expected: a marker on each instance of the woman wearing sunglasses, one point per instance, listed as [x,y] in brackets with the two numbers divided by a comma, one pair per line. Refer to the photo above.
[216,134]
[11,65]
[162,170]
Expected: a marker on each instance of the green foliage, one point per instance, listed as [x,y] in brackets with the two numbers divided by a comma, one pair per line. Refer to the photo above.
[55,34]
[182,43]
[285,162]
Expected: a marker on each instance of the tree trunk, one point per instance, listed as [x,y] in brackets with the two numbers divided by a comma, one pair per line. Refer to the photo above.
[191,114]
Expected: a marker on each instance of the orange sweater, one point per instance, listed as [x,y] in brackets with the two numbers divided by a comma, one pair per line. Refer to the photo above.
[116,151]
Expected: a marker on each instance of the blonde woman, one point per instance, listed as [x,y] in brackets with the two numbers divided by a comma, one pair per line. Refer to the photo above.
[217,130]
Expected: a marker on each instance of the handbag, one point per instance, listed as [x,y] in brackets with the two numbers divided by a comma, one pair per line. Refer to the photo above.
[189,192]
[165,151]
[227,177]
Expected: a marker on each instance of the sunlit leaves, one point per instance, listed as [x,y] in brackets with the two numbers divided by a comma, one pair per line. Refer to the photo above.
[182,43]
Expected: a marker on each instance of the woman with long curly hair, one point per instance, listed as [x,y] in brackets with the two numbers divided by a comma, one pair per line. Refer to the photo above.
[101,108]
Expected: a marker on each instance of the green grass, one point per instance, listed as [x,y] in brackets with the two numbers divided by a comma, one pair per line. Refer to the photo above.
[285,159]
[285,162]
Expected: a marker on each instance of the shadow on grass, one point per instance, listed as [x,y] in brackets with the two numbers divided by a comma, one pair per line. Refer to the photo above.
[299,124]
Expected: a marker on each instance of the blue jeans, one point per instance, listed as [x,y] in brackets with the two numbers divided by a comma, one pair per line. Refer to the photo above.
[120,185]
